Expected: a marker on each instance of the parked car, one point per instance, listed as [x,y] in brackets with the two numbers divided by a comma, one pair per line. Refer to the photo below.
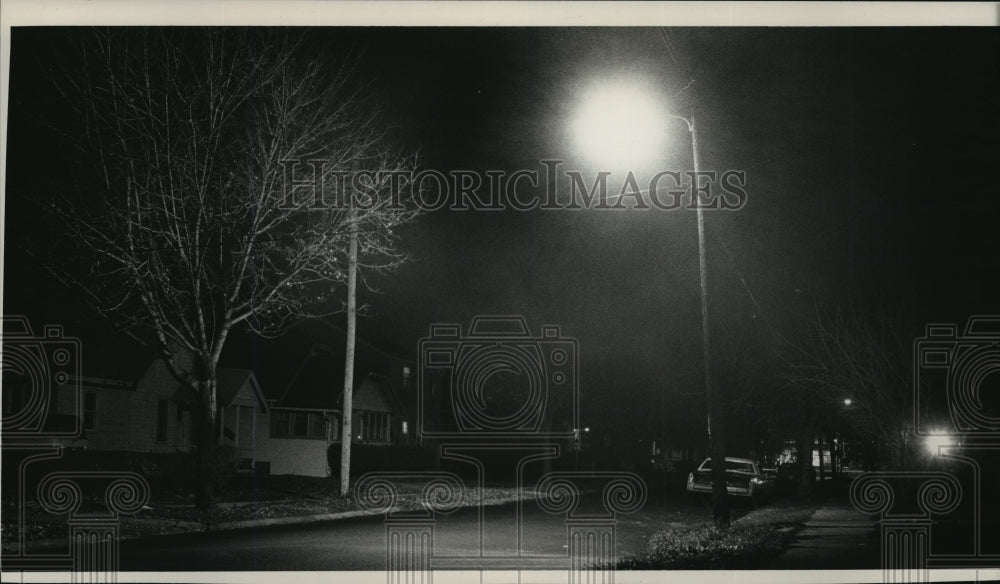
[744,478]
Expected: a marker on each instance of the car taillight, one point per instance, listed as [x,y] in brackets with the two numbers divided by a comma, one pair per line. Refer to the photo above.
[690,477]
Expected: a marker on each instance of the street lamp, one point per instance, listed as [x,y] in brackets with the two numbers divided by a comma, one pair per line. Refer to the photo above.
[615,125]
[936,440]
[621,123]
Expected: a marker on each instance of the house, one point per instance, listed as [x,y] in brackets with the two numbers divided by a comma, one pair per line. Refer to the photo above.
[280,408]
[302,374]
[152,412]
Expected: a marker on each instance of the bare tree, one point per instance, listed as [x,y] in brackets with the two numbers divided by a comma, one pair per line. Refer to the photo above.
[205,142]
[848,359]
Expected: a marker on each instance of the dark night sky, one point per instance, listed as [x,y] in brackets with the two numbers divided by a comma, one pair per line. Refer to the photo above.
[869,156]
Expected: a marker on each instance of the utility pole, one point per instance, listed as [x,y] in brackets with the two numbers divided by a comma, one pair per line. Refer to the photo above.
[347,405]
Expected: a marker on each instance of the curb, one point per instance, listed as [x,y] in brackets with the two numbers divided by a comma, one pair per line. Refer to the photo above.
[196,527]
[299,519]
[292,520]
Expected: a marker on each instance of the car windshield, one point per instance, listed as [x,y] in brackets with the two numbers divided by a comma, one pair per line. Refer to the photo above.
[734,465]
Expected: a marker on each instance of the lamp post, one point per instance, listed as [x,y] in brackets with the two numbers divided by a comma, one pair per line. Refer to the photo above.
[715,422]
[613,122]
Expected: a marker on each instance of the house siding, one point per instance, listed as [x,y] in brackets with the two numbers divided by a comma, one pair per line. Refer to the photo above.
[126,419]
[244,424]
[294,456]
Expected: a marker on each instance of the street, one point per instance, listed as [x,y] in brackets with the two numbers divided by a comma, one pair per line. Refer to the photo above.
[360,544]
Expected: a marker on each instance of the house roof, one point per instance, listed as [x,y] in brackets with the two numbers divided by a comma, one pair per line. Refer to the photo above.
[229,382]
[318,383]
[393,393]
[304,368]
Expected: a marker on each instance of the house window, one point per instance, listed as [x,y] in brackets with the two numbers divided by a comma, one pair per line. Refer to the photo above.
[89,411]
[285,424]
[374,426]
[301,428]
[162,416]
[317,425]
[279,424]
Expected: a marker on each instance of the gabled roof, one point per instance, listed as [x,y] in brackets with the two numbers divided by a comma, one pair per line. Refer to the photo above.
[230,381]
[392,392]
[304,368]
[317,382]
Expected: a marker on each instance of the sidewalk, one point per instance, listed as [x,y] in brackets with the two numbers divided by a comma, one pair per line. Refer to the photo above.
[837,536]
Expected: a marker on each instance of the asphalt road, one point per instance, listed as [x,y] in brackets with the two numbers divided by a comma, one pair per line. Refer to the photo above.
[360,543]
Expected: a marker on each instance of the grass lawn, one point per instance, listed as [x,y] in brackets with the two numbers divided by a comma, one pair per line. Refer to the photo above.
[244,498]
[747,543]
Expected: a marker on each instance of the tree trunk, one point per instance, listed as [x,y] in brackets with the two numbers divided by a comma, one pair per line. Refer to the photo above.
[717,446]
[819,457]
[206,438]
[347,405]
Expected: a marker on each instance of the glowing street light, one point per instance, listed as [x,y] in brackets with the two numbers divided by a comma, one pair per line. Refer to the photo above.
[618,125]
[936,440]
[848,401]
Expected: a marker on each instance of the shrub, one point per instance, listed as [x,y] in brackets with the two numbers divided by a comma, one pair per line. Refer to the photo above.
[708,547]
[747,543]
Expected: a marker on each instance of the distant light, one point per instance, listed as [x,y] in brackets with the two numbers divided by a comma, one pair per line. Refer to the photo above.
[936,440]
[848,402]
[406,427]
[620,125]
[587,429]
